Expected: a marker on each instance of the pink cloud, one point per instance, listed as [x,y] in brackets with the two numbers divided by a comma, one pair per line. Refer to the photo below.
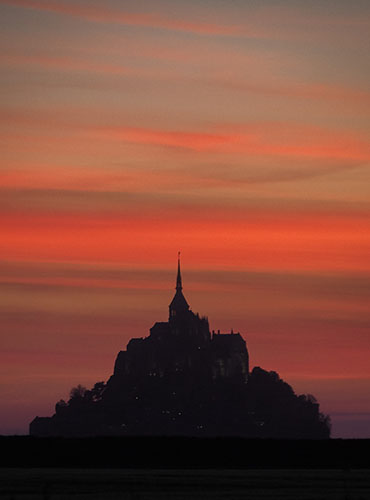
[323,92]
[269,22]
[109,15]
[346,96]
[65,63]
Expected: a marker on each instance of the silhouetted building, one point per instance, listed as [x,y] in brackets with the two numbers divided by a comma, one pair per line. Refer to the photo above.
[183,380]
[183,344]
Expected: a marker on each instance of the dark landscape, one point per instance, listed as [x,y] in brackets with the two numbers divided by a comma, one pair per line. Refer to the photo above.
[183,452]
[154,468]
[145,484]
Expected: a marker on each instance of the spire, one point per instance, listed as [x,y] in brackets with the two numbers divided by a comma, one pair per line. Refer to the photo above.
[178,304]
[178,281]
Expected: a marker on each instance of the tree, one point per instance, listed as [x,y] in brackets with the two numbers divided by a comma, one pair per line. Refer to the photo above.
[97,391]
[60,406]
[77,392]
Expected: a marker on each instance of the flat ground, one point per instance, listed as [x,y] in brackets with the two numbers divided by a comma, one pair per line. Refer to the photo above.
[150,484]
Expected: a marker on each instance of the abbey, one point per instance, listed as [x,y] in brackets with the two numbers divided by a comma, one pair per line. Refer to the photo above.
[184,345]
[183,380]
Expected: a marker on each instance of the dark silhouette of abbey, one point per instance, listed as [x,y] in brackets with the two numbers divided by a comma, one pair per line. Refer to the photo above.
[182,380]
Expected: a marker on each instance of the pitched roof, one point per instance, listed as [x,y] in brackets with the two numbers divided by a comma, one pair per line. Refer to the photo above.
[179,303]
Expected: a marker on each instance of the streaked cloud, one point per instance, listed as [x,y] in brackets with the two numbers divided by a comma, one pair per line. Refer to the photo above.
[278,139]
[268,240]
[330,93]
[64,64]
[106,14]
[260,23]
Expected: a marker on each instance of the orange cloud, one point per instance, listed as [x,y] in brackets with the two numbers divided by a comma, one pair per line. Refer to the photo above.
[278,139]
[77,178]
[65,282]
[293,242]
[196,141]
[259,138]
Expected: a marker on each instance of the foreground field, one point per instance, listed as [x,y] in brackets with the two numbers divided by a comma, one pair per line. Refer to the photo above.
[89,484]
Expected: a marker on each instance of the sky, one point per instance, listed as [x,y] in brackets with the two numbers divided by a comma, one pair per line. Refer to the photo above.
[234,131]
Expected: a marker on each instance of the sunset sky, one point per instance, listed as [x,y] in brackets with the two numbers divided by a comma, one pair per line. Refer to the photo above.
[234,131]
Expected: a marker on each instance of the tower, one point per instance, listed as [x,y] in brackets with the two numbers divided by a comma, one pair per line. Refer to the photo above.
[178,306]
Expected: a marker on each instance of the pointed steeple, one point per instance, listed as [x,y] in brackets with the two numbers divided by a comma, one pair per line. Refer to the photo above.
[178,281]
[178,304]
